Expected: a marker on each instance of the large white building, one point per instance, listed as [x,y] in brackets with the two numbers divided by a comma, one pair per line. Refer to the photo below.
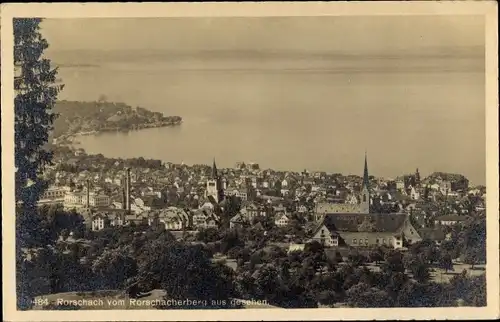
[79,200]
[54,195]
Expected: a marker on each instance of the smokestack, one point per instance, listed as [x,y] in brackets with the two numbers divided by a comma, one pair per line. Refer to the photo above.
[124,199]
[127,192]
[88,193]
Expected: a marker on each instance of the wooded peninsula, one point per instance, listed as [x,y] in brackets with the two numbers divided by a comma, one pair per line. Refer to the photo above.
[80,118]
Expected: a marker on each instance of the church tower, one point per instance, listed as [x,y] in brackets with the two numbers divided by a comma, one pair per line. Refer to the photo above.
[365,191]
[417,178]
[214,185]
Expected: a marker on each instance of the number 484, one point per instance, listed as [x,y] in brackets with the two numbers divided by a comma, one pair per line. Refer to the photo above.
[40,301]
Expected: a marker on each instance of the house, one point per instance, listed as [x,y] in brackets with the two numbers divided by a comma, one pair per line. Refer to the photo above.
[99,221]
[200,217]
[364,230]
[252,210]
[285,192]
[172,218]
[205,218]
[352,199]
[279,209]
[400,184]
[445,187]
[326,235]
[281,220]
[238,221]
[432,234]
[248,215]
[212,222]
[322,208]
[240,193]
[296,248]
[450,220]
[302,209]
[414,194]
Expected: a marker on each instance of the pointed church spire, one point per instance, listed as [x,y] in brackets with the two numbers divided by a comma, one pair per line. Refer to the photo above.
[214,171]
[365,173]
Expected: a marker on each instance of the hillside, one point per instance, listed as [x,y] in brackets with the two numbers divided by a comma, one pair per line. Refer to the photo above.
[80,117]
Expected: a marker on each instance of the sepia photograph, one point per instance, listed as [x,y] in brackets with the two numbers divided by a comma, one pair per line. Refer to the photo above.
[216,159]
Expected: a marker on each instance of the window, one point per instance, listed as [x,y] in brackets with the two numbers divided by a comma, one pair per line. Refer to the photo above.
[383,241]
[378,240]
[366,242]
[364,198]
[354,241]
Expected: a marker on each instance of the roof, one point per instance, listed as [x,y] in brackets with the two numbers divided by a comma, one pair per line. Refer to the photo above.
[451,218]
[349,222]
[431,234]
[258,226]
[237,218]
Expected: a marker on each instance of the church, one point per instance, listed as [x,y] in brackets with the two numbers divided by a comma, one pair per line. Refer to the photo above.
[355,226]
[361,207]
[215,189]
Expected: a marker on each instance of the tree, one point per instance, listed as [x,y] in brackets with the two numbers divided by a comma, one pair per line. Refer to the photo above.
[420,271]
[36,94]
[376,256]
[114,267]
[445,262]
[185,272]
[393,262]
[361,295]
[355,258]
[472,257]
[267,282]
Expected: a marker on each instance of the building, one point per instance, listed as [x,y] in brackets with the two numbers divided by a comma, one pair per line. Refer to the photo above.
[359,207]
[54,195]
[55,192]
[172,218]
[366,230]
[84,199]
[99,222]
[215,188]
[450,220]
[237,221]
[205,218]
[281,220]
[435,235]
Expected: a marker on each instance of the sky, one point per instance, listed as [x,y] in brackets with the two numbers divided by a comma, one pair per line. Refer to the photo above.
[348,34]
[414,83]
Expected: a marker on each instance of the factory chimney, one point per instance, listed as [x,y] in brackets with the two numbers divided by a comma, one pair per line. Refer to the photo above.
[124,199]
[88,194]
[128,188]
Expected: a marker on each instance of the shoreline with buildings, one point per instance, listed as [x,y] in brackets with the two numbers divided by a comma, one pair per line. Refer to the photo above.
[193,197]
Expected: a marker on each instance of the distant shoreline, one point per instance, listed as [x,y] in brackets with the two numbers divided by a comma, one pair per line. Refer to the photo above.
[72,136]
[90,118]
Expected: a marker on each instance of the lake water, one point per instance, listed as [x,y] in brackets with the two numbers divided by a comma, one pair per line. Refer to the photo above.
[314,115]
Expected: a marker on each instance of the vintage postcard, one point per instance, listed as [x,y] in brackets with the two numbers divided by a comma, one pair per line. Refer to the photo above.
[250,161]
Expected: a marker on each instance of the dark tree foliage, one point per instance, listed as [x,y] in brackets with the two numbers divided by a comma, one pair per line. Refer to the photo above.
[186,272]
[36,93]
